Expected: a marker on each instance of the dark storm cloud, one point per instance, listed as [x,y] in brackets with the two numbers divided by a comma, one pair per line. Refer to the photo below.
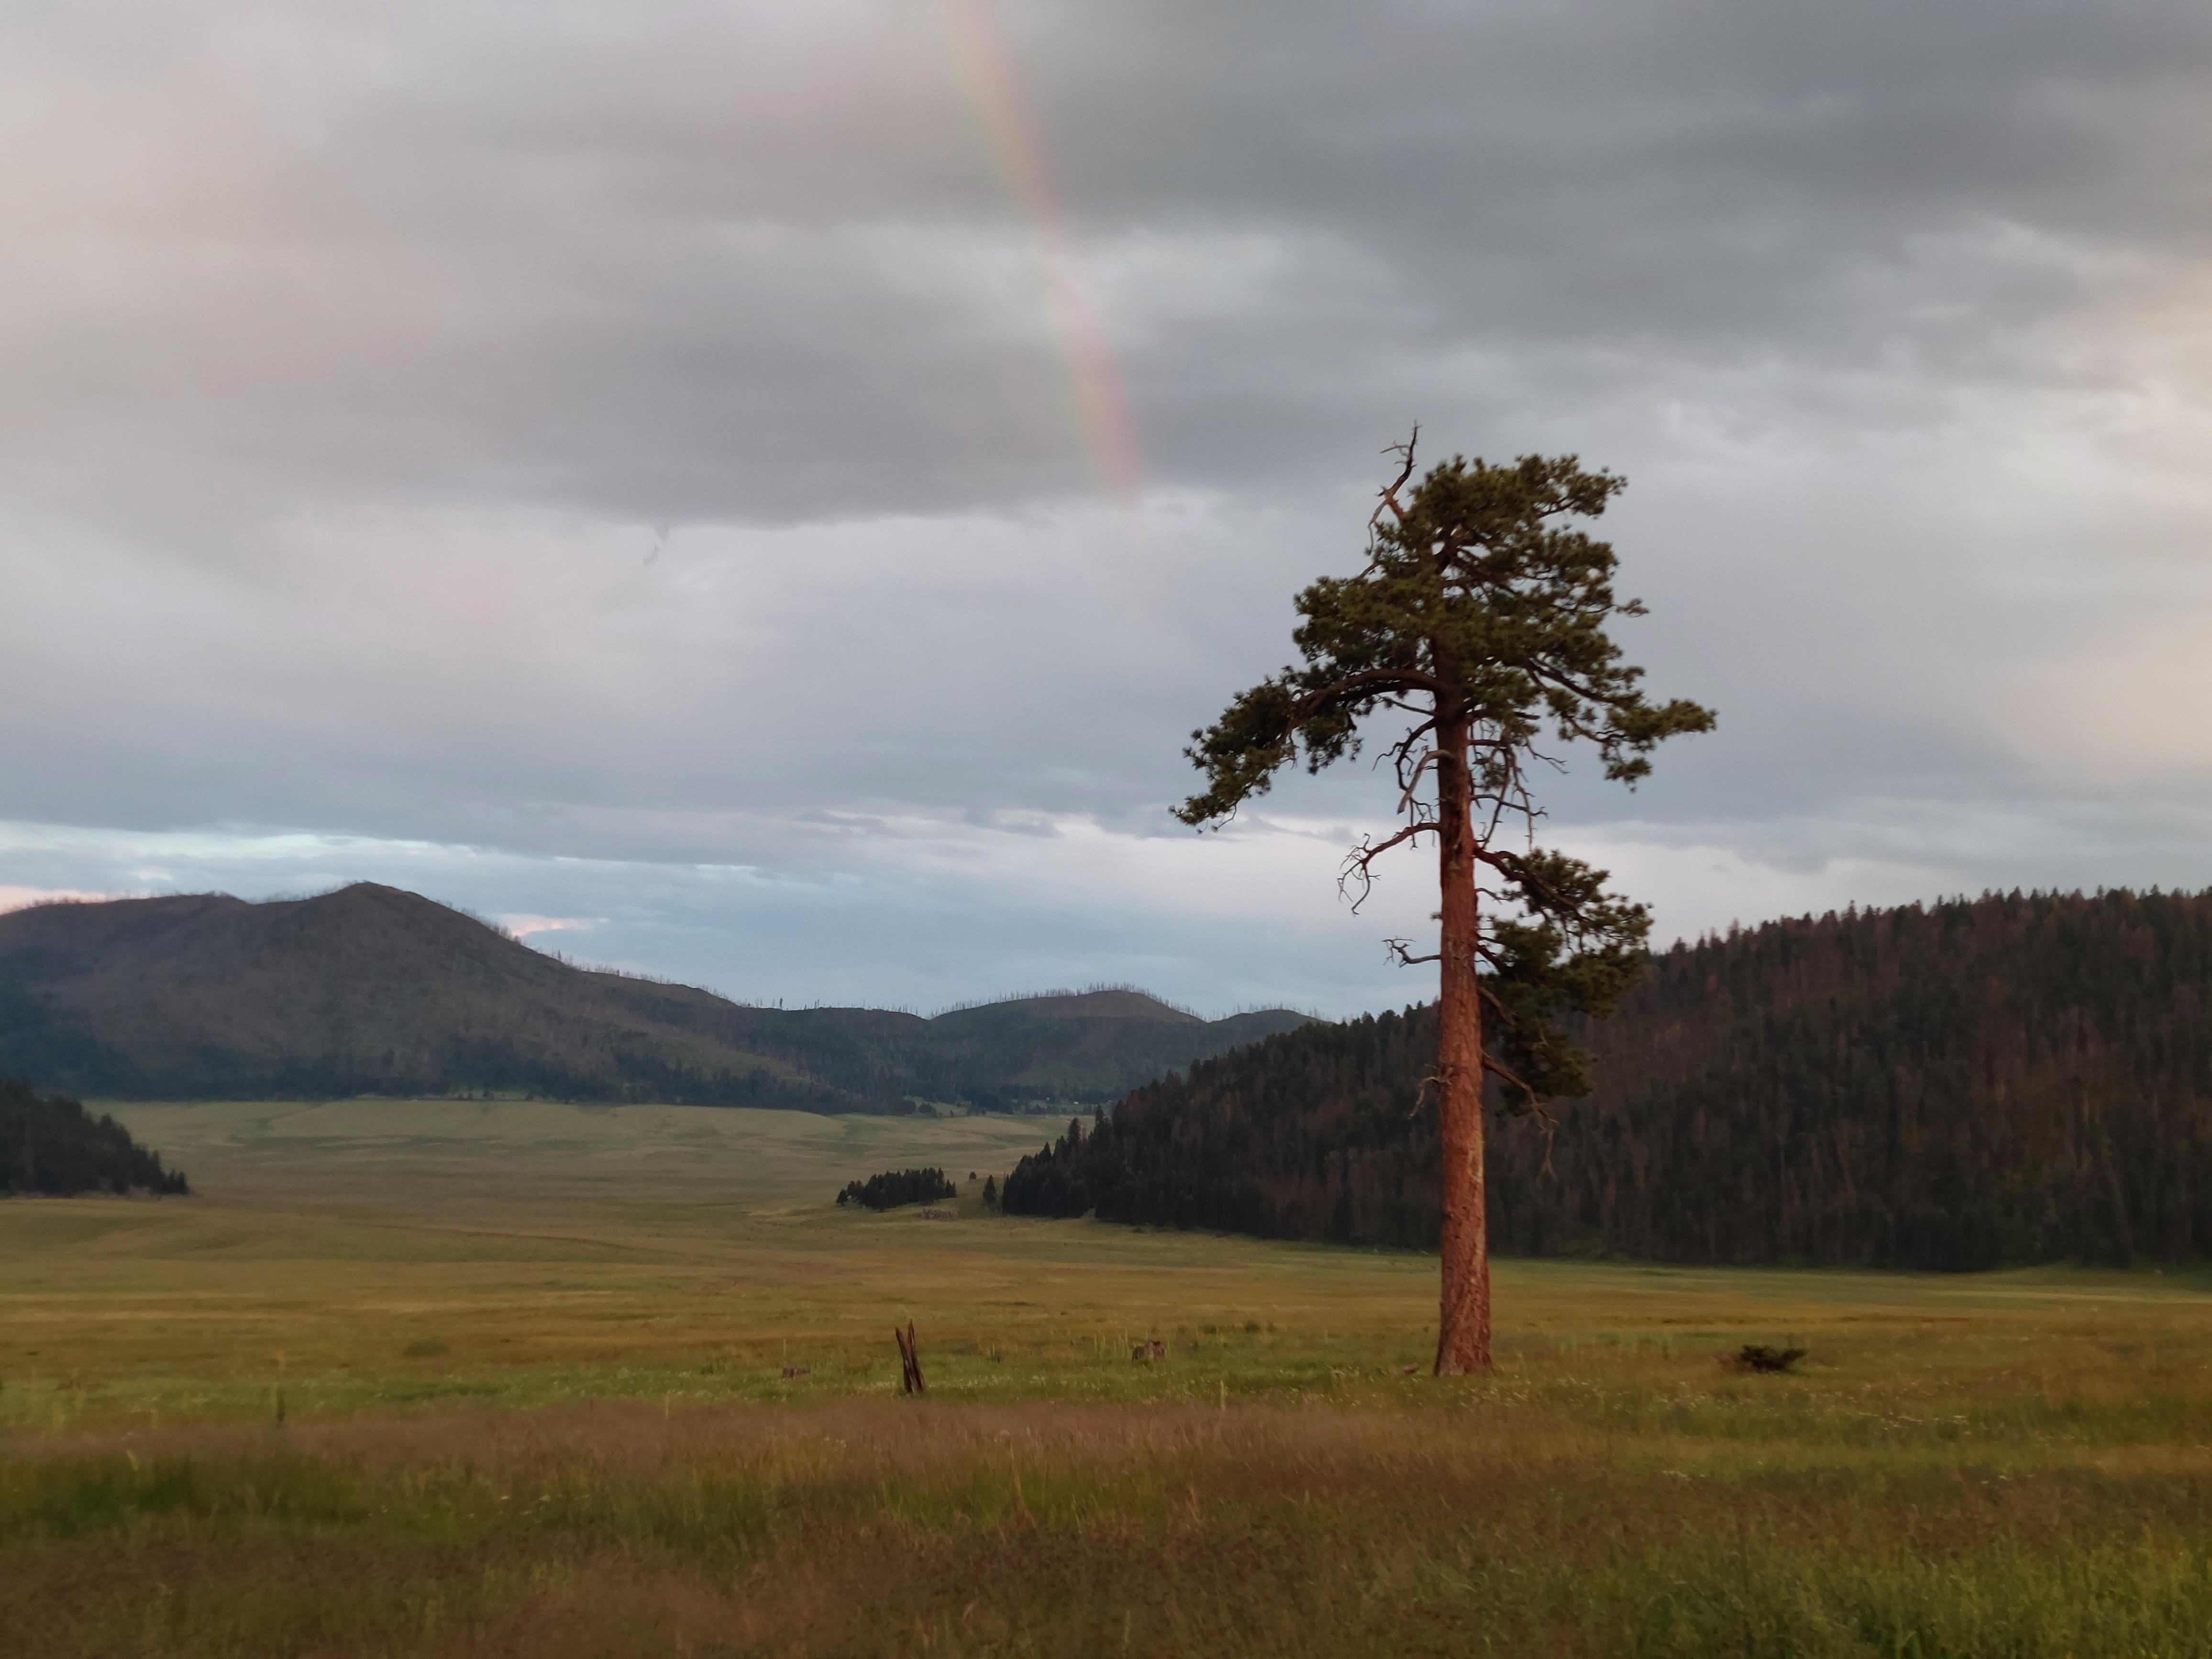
[683,262]
[644,434]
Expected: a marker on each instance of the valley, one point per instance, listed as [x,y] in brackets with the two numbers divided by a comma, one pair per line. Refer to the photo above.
[464,1378]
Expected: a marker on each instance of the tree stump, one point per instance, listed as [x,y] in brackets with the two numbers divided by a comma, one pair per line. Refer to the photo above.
[910,1361]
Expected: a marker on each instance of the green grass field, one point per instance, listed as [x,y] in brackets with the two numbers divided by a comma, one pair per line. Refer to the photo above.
[506,1378]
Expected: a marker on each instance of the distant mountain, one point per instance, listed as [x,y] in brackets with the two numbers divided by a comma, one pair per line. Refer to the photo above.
[371,990]
[2010,1080]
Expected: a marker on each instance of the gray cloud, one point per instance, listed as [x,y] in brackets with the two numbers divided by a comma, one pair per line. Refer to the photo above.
[649,435]
[712,264]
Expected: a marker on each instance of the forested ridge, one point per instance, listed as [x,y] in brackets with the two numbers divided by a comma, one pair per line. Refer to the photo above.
[2011,1080]
[372,991]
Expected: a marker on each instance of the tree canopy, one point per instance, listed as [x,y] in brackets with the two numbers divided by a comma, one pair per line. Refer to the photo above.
[1481,614]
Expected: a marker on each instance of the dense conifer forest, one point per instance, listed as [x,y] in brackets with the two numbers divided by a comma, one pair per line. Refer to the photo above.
[52,1145]
[2013,1079]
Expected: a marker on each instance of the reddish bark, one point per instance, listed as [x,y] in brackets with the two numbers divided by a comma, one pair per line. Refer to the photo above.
[1463,1317]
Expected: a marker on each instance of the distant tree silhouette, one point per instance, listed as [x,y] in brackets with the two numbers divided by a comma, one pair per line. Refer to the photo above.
[52,1145]
[896,1187]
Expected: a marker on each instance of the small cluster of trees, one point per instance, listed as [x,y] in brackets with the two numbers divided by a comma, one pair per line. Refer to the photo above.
[893,1187]
[50,1143]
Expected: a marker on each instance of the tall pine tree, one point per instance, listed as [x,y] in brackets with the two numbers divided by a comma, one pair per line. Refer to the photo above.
[1479,621]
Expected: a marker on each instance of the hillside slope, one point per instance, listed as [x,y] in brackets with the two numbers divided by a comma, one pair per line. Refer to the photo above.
[371,990]
[2014,1080]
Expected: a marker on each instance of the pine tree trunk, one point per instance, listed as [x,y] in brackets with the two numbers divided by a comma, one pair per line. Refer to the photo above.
[1463,1320]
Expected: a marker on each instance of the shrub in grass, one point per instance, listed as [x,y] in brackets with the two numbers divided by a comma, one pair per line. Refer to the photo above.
[1757,1357]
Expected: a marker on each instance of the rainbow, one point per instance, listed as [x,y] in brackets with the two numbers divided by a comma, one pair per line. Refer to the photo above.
[1097,408]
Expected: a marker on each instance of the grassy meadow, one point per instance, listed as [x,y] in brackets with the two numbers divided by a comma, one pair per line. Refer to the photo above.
[514,1378]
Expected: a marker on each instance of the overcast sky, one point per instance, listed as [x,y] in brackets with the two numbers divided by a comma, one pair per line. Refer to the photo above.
[761,492]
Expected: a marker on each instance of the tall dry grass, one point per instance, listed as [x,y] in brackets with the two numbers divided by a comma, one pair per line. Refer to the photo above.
[532,1373]
[865,1527]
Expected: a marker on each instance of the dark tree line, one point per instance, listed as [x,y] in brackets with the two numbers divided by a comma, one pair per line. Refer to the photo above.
[52,1145]
[2013,1080]
[896,1187]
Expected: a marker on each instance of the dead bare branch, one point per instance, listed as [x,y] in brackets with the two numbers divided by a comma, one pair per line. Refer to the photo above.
[1359,862]
[1429,758]
[1390,491]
